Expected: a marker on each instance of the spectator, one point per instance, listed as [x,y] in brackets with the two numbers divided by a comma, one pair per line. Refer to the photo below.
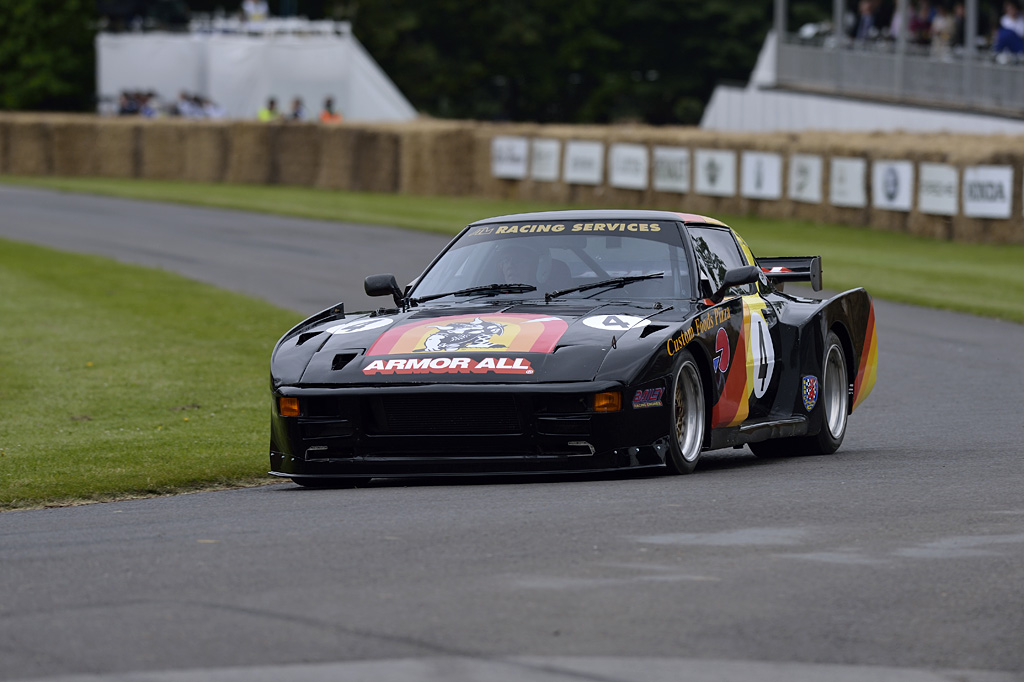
[186,106]
[959,25]
[210,108]
[269,113]
[1010,35]
[329,115]
[865,28]
[298,112]
[255,10]
[921,24]
[942,33]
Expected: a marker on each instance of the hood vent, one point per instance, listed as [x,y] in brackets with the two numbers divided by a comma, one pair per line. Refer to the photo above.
[651,329]
[306,336]
[342,359]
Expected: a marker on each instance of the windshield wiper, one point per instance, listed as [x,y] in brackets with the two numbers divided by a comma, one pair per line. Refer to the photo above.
[612,283]
[489,289]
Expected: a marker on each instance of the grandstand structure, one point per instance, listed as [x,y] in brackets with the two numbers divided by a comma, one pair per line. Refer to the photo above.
[824,79]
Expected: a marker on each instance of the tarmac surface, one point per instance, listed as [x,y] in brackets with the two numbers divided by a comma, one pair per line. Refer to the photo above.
[901,557]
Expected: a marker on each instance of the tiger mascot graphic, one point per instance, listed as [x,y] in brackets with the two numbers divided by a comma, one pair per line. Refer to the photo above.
[463,336]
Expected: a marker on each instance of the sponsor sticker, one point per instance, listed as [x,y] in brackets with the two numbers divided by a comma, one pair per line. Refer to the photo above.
[721,351]
[648,397]
[511,333]
[449,365]
[360,325]
[701,325]
[810,391]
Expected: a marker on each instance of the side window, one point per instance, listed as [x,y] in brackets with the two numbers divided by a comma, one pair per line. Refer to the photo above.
[718,252]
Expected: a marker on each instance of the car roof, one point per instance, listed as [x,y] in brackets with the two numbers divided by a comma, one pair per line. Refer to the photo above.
[600,214]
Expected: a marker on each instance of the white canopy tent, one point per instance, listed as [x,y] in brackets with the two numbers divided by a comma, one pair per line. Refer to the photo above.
[239,71]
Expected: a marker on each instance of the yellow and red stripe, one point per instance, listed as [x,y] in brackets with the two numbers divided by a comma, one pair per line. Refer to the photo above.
[867,372]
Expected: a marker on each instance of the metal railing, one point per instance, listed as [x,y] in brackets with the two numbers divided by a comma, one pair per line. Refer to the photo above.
[877,70]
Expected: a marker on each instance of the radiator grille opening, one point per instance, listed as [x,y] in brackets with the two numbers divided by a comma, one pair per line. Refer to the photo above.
[432,414]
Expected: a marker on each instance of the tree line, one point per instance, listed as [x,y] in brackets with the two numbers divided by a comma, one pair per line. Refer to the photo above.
[578,61]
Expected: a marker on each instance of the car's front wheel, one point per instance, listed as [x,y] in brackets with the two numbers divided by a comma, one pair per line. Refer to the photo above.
[688,415]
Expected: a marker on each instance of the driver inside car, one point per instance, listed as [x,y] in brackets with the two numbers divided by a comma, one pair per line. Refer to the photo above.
[520,264]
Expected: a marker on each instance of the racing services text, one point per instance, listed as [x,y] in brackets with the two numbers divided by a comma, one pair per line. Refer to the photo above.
[577,227]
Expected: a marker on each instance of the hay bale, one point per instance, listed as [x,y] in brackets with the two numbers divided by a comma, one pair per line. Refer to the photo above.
[205,145]
[336,168]
[375,158]
[250,160]
[5,127]
[74,147]
[29,149]
[162,150]
[436,158]
[117,148]
[297,154]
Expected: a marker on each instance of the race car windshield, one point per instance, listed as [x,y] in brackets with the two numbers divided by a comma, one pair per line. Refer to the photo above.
[612,261]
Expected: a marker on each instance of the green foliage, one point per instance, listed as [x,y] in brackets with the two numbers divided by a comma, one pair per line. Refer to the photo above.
[586,61]
[47,56]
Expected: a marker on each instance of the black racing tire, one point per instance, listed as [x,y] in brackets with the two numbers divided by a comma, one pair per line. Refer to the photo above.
[331,482]
[688,416]
[834,402]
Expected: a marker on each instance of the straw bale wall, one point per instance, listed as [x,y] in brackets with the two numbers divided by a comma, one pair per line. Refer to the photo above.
[206,151]
[117,148]
[433,159]
[296,149]
[249,158]
[429,157]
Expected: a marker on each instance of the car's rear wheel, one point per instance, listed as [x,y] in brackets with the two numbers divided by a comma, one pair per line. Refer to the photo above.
[834,402]
[688,415]
[331,482]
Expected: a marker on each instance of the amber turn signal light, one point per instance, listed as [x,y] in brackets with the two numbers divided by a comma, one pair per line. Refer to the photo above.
[609,401]
[288,407]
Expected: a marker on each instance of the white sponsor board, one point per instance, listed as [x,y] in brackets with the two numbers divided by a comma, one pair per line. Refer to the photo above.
[805,173]
[937,189]
[544,159]
[628,164]
[715,171]
[988,191]
[761,175]
[584,162]
[508,157]
[892,185]
[672,169]
[846,182]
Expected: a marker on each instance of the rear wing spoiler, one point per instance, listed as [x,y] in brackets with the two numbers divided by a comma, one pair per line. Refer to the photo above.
[793,269]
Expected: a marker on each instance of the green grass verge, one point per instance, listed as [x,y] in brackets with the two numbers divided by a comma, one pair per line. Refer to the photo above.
[120,381]
[972,278]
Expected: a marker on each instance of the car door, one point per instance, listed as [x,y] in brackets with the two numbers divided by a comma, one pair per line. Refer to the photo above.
[746,355]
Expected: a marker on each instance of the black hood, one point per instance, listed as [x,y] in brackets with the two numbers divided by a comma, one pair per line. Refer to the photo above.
[481,343]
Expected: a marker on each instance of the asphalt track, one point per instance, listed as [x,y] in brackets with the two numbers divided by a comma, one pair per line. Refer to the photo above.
[899,558]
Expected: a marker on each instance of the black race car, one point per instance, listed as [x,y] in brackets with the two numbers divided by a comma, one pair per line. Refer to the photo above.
[572,341]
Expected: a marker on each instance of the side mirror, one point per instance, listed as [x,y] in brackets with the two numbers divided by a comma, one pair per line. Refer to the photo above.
[748,274]
[382,285]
